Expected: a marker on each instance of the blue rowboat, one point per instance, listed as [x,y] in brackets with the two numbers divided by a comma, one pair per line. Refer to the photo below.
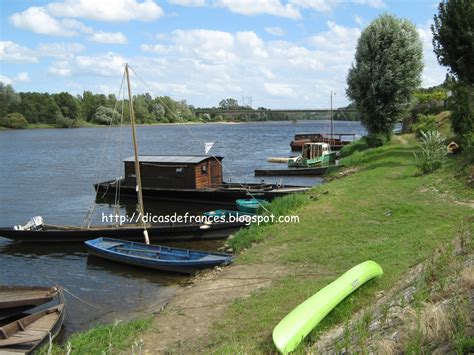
[155,256]
[249,205]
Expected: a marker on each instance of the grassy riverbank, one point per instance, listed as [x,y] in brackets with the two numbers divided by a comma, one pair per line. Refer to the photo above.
[383,211]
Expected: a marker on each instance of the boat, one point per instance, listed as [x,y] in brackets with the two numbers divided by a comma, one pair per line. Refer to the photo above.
[313,154]
[155,256]
[27,334]
[249,205]
[313,171]
[190,179]
[297,324]
[133,232]
[17,299]
[335,140]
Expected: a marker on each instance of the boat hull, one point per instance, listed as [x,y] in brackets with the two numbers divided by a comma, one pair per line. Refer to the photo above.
[142,255]
[18,299]
[222,197]
[31,332]
[298,323]
[185,232]
[313,171]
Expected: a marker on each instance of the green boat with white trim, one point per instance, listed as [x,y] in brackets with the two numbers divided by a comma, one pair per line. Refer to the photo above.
[313,154]
[297,324]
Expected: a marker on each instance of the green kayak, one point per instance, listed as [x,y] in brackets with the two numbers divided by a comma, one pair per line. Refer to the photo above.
[300,321]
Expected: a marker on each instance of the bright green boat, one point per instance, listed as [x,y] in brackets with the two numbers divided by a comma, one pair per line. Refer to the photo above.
[297,324]
[313,154]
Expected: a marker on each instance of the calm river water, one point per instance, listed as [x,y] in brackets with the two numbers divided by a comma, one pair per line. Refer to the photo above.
[50,172]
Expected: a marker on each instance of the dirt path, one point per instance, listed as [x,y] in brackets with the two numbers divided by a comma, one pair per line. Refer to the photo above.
[190,315]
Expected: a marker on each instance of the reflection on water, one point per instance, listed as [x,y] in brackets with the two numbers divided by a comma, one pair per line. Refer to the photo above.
[50,173]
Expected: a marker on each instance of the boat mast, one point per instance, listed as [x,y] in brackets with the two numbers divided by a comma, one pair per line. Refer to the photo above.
[141,210]
[332,124]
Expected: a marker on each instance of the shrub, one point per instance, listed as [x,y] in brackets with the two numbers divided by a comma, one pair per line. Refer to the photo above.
[468,148]
[424,123]
[377,139]
[14,120]
[355,146]
[432,152]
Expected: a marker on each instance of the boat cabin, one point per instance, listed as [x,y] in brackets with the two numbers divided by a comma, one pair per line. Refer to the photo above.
[315,150]
[175,171]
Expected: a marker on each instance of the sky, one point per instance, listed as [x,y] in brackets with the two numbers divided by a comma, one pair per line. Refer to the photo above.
[268,53]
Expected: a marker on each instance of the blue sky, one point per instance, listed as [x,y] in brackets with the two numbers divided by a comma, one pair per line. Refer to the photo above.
[281,53]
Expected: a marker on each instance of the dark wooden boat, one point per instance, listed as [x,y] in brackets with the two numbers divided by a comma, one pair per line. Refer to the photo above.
[335,143]
[155,256]
[314,171]
[17,299]
[223,196]
[25,335]
[69,234]
[192,178]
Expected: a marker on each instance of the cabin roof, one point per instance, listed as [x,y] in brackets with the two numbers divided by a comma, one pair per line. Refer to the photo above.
[180,159]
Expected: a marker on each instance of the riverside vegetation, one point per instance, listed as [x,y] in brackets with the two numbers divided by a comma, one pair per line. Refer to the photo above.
[382,209]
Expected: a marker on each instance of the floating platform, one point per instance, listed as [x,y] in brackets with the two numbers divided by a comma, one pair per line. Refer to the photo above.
[316,171]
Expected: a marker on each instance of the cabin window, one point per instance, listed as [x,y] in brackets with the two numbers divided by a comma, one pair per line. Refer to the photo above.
[204,169]
[179,171]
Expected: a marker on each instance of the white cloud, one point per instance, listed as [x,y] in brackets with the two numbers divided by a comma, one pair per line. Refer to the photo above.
[316,5]
[107,10]
[12,52]
[376,4]
[6,80]
[23,77]
[108,37]
[37,19]
[359,20]
[59,49]
[60,68]
[279,89]
[433,73]
[110,64]
[259,7]
[189,3]
[275,31]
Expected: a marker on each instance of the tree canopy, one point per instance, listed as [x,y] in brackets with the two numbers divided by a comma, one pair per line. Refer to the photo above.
[387,69]
[453,37]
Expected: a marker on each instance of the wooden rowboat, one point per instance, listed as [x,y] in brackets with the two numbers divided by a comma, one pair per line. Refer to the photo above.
[17,299]
[155,256]
[25,335]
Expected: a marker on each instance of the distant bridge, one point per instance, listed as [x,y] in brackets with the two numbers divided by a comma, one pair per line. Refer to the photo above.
[237,111]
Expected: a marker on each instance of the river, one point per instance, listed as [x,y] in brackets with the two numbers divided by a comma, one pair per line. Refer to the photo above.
[50,172]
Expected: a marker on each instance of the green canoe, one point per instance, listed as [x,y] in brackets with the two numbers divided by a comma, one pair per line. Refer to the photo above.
[299,322]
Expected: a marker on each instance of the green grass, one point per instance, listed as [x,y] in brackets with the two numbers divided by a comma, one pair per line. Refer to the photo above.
[104,339]
[386,212]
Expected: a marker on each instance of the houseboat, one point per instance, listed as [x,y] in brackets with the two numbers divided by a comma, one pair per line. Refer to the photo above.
[193,178]
[335,140]
[313,154]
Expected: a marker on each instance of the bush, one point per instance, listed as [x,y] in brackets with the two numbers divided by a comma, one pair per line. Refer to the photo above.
[355,146]
[424,123]
[14,120]
[377,139]
[468,148]
[63,122]
[432,152]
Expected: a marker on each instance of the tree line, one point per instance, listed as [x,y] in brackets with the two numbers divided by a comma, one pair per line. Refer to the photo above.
[18,110]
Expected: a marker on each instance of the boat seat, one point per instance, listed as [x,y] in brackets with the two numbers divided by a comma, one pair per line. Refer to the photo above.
[109,245]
